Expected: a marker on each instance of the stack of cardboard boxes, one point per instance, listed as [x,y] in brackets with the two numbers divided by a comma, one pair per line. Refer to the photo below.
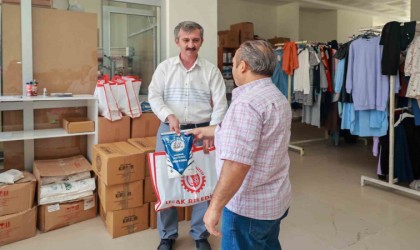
[61,214]
[126,193]
[238,33]
[17,210]
[120,168]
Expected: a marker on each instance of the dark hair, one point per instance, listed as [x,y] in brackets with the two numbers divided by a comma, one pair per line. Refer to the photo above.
[188,26]
[259,55]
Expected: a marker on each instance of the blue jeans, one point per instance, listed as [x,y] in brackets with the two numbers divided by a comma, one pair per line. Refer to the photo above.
[242,233]
[167,220]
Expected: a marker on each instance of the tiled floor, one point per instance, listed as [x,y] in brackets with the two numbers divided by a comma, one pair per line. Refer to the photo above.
[330,209]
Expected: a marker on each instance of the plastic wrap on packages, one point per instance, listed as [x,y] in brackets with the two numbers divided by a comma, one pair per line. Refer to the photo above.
[145,107]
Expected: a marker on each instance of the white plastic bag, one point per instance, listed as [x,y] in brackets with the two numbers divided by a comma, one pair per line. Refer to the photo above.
[107,106]
[128,95]
[11,176]
[186,190]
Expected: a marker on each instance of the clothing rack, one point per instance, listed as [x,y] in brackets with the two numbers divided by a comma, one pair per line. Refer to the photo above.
[293,145]
[391,180]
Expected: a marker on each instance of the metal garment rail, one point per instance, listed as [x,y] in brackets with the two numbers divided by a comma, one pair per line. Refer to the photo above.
[391,181]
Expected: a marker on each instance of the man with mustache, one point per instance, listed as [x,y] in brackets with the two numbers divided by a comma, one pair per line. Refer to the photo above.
[186,92]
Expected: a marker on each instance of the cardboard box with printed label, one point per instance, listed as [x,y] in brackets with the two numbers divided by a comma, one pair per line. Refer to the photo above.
[53,216]
[144,126]
[145,145]
[19,226]
[117,163]
[149,190]
[126,221]
[60,167]
[244,31]
[153,215]
[78,125]
[18,197]
[120,129]
[121,196]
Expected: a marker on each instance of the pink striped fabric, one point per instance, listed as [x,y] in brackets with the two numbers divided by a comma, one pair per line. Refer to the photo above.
[256,131]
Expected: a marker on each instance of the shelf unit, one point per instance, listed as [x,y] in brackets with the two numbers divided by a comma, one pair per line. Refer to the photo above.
[29,134]
[224,60]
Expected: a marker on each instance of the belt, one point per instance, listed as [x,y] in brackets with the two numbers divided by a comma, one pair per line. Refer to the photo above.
[191,126]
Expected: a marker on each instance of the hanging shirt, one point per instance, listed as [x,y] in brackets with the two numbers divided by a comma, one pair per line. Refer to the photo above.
[279,77]
[412,68]
[301,77]
[369,88]
[290,60]
[364,122]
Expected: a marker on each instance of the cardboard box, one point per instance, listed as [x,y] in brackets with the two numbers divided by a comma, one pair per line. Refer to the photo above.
[126,221]
[39,3]
[146,145]
[228,39]
[78,125]
[60,167]
[18,197]
[244,31]
[181,213]
[149,190]
[13,155]
[276,40]
[19,226]
[118,162]
[144,126]
[53,216]
[113,131]
[188,212]
[153,215]
[121,196]
[63,147]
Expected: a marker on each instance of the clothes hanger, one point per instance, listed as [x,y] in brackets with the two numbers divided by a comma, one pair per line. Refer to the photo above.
[402,117]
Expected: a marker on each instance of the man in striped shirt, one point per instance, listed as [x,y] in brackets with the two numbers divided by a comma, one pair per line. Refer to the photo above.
[253,193]
[186,92]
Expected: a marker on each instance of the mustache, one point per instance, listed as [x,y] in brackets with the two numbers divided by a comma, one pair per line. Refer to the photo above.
[192,49]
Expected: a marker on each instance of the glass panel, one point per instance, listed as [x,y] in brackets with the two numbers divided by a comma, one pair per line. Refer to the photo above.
[132,41]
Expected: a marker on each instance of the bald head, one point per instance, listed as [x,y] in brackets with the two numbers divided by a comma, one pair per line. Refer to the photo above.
[259,56]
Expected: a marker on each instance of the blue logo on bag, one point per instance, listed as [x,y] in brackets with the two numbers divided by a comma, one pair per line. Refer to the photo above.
[177,146]
[178,151]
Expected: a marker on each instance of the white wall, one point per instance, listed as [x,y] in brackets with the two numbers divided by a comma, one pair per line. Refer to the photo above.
[349,23]
[317,25]
[203,12]
[234,11]
[381,20]
[415,10]
[288,21]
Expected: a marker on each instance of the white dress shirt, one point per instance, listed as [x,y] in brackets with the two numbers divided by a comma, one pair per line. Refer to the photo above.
[194,96]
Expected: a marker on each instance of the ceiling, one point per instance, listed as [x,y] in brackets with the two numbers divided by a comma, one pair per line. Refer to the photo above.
[398,9]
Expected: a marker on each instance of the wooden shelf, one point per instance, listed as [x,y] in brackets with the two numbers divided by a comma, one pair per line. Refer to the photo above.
[37,134]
